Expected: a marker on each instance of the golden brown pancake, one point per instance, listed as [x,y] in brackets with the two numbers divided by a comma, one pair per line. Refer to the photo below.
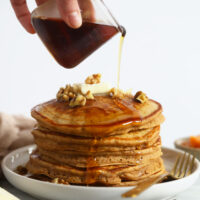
[110,175]
[61,142]
[99,117]
[81,161]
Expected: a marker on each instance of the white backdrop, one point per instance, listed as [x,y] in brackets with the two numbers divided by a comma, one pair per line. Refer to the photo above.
[161,57]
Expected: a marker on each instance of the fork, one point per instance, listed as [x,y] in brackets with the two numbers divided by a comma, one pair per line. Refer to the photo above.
[182,167]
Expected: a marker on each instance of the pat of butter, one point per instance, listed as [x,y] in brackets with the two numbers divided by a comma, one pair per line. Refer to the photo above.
[100,88]
[4,195]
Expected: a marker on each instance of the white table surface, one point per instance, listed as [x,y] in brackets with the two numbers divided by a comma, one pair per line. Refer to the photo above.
[192,193]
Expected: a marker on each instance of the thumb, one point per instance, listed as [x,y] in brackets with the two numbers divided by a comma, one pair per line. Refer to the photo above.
[70,12]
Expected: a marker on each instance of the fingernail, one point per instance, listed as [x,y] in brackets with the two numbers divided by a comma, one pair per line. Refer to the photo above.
[74,19]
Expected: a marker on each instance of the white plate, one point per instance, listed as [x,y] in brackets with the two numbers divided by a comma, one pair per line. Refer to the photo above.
[50,191]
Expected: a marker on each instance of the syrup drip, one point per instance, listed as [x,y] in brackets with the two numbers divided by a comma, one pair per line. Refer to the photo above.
[123,31]
[92,172]
[119,60]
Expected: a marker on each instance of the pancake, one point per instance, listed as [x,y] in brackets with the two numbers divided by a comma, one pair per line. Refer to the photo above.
[135,139]
[111,150]
[81,161]
[110,175]
[99,117]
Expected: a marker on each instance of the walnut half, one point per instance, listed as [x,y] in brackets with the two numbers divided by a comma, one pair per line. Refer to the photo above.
[94,79]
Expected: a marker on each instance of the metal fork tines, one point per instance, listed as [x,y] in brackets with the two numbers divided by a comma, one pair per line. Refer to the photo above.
[183,167]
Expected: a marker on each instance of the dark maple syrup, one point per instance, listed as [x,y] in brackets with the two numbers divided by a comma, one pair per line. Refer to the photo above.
[71,46]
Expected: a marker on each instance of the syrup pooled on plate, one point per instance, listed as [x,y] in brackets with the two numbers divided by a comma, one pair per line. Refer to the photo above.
[71,46]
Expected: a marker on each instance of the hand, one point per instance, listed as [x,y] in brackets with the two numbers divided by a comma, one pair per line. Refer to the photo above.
[69,11]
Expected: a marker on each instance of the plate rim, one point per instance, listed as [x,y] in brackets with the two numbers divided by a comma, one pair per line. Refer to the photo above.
[26,148]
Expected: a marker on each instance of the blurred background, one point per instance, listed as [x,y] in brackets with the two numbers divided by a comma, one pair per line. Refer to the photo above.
[161,57]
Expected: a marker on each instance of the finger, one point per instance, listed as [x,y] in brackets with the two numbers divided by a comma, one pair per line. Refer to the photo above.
[40,2]
[23,14]
[70,12]
[87,10]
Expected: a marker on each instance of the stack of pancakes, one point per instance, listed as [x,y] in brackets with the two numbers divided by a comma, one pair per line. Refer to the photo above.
[109,141]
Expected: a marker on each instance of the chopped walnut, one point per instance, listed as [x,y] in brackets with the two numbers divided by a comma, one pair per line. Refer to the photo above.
[59,181]
[55,180]
[89,95]
[76,89]
[60,92]
[21,170]
[66,94]
[80,100]
[62,181]
[141,97]
[116,93]
[65,97]
[74,95]
[94,79]
[71,95]
[67,89]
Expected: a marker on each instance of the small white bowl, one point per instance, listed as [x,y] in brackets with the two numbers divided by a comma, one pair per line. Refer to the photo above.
[179,143]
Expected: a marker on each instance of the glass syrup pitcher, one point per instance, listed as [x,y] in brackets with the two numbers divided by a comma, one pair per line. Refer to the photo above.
[71,46]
